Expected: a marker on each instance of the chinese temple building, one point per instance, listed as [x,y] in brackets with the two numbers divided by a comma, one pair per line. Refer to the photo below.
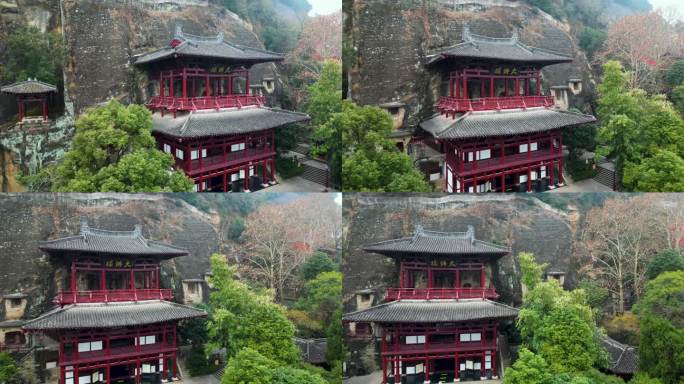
[441,323]
[113,320]
[31,92]
[219,133]
[497,132]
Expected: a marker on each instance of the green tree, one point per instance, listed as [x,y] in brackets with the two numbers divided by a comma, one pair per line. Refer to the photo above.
[249,367]
[237,226]
[8,368]
[592,40]
[675,74]
[661,320]
[314,265]
[371,162]
[528,369]
[336,345]
[530,271]
[663,172]
[243,319]
[644,378]
[557,324]
[31,53]
[114,151]
[665,261]
[323,296]
[677,97]
[325,95]
[290,375]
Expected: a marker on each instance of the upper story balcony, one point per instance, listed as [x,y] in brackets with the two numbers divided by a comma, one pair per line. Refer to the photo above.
[453,105]
[184,104]
[107,296]
[440,293]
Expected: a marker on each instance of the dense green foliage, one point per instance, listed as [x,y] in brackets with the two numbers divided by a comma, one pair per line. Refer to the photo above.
[592,40]
[665,261]
[557,324]
[528,369]
[675,74]
[323,296]
[288,167]
[661,320]
[318,262]
[644,378]
[677,97]
[8,368]
[243,319]
[371,162]
[249,367]
[644,135]
[31,53]
[580,170]
[325,100]
[289,375]
[624,328]
[114,151]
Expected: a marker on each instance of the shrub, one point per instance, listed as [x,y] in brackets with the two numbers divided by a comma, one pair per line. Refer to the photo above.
[579,170]
[288,168]
[624,329]
[667,260]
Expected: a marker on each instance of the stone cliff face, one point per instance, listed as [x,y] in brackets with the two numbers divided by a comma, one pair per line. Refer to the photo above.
[32,218]
[392,38]
[523,223]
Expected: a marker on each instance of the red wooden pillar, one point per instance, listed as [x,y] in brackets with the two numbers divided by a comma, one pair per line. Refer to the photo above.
[397,369]
[456,367]
[137,371]
[491,86]
[503,182]
[273,170]
[482,364]
[161,84]
[427,368]
[482,276]
[45,113]
[482,88]
[108,375]
[383,362]
[457,89]
[172,92]
[529,180]
[265,174]
[207,86]
[429,278]
[517,87]
[465,85]
[527,85]
[561,180]
[246,178]
[73,278]
[21,110]
[103,284]
[538,84]
[247,82]
[551,168]
[475,184]
[185,87]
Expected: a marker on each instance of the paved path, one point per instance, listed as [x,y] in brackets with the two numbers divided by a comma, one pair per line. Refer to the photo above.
[296,184]
[586,185]
[376,378]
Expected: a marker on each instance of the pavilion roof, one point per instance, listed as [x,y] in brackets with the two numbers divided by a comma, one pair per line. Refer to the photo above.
[437,243]
[497,49]
[225,122]
[126,243]
[502,123]
[185,44]
[622,358]
[28,87]
[433,311]
[108,315]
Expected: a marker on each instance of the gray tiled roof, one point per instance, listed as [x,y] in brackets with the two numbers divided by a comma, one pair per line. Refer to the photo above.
[434,311]
[210,47]
[502,123]
[111,242]
[623,359]
[11,323]
[501,49]
[225,122]
[30,86]
[16,295]
[106,315]
[432,242]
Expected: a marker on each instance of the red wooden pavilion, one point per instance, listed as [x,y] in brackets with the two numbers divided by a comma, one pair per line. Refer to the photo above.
[496,129]
[440,325]
[30,91]
[114,322]
[220,135]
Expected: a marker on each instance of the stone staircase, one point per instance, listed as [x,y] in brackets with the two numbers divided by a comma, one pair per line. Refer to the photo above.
[316,171]
[606,174]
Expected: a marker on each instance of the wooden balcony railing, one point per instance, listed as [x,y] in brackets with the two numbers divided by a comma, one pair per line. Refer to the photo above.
[198,103]
[114,352]
[452,105]
[440,293]
[392,349]
[507,161]
[69,297]
[212,162]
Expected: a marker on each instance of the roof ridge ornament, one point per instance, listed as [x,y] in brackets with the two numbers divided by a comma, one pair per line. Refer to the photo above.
[85,228]
[516,37]
[219,37]
[137,231]
[179,31]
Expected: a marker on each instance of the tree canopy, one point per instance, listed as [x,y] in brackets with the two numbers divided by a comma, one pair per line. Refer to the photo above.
[243,319]
[31,53]
[644,135]
[8,368]
[113,151]
[661,320]
[371,162]
[667,260]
